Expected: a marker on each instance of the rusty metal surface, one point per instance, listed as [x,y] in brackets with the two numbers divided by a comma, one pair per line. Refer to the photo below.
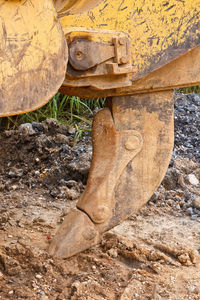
[142,127]
[132,145]
[112,151]
[184,71]
[33,55]
[77,233]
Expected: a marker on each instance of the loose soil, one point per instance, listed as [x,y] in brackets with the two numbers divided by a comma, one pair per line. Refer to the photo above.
[152,255]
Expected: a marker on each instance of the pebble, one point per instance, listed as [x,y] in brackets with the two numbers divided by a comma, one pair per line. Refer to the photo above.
[192,179]
[35,213]
[71,130]
[191,288]
[185,222]
[189,211]
[27,128]
[38,276]
[11,292]
[42,293]
[193,217]
[113,252]
[187,125]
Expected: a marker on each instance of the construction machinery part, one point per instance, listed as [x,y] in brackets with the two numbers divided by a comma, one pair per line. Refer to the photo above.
[33,55]
[99,58]
[132,146]
[133,51]
[160,32]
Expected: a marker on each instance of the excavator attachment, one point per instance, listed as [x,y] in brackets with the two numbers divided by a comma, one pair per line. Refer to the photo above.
[135,53]
[132,145]
[33,55]
[132,52]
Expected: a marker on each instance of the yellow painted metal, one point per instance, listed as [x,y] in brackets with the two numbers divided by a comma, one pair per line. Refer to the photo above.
[33,55]
[74,6]
[160,30]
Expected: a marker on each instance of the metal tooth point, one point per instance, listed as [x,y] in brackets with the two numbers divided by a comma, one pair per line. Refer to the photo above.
[132,143]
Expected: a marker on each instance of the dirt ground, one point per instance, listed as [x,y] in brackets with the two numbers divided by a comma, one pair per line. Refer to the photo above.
[152,255]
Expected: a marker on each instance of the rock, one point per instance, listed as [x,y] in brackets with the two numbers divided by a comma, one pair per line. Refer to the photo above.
[43,141]
[113,252]
[71,183]
[187,129]
[187,196]
[11,292]
[71,130]
[82,164]
[185,259]
[51,123]
[14,172]
[35,213]
[42,293]
[191,288]
[193,217]
[72,194]
[189,211]
[38,126]
[61,139]
[192,179]
[26,129]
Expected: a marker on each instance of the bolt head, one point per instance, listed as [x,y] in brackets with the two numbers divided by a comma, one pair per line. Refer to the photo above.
[100,214]
[124,60]
[132,143]
[122,41]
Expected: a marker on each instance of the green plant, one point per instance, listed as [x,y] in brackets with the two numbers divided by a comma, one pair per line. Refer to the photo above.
[190,89]
[71,111]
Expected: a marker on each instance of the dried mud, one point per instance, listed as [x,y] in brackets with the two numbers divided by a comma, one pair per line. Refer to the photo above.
[152,255]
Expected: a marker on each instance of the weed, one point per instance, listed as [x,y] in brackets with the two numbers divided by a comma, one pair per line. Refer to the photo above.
[190,89]
[71,111]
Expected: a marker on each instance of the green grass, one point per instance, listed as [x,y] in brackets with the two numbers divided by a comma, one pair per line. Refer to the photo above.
[71,111]
[191,89]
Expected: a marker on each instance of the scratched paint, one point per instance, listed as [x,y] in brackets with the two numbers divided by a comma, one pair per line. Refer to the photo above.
[33,55]
[160,30]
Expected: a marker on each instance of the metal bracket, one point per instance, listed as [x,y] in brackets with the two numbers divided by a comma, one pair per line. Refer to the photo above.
[85,54]
[101,59]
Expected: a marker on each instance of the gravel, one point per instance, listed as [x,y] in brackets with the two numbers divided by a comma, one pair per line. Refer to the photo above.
[187,125]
